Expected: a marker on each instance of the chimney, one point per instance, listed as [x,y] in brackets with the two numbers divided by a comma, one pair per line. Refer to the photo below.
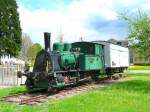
[47,38]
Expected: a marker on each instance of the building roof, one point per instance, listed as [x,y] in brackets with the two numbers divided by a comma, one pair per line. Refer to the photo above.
[123,43]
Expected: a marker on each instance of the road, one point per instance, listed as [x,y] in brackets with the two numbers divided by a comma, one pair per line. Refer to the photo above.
[138,71]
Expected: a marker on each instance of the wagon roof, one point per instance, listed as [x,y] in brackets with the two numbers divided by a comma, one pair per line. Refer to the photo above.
[89,42]
[107,42]
[104,43]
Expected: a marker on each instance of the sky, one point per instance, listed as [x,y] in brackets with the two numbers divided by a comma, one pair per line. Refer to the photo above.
[90,19]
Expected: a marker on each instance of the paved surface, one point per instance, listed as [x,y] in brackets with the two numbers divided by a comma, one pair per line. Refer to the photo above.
[138,71]
[5,86]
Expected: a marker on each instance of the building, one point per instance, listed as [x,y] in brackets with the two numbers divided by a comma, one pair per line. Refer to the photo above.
[123,43]
[10,60]
[139,58]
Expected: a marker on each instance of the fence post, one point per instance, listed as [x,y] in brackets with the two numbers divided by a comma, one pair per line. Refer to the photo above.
[17,77]
[3,69]
[21,70]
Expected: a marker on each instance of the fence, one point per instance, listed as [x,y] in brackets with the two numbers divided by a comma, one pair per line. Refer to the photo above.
[8,75]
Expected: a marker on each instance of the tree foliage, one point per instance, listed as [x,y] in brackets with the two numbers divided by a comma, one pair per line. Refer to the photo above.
[10,30]
[26,44]
[33,50]
[139,31]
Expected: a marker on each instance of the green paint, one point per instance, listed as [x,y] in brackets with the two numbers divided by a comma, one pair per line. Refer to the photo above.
[67,46]
[42,84]
[92,57]
[67,59]
[89,62]
[58,46]
[60,85]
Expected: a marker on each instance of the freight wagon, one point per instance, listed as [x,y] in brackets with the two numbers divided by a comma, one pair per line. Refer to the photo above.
[116,57]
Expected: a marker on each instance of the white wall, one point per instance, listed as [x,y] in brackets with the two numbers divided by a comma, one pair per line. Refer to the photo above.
[115,55]
[119,56]
[11,60]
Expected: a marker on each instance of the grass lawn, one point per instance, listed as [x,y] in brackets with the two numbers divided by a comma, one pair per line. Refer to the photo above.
[139,67]
[128,96]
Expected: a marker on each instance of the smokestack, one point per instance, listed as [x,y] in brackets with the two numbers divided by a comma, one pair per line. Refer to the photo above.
[47,38]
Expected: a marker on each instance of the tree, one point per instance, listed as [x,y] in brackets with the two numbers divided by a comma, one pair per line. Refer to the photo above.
[26,44]
[139,31]
[10,30]
[33,50]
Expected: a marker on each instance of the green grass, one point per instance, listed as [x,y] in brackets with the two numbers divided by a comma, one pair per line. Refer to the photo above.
[128,96]
[11,91]
[139,67]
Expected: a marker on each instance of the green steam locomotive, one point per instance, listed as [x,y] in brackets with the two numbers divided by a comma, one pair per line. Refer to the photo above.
[67,64]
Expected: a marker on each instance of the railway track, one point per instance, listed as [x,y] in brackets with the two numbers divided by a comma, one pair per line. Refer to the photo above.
[40,97]
[37,98]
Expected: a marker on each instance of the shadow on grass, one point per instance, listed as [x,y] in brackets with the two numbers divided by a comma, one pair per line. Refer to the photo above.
[139,86]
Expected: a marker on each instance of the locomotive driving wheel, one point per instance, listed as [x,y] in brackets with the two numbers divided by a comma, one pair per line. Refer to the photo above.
[29,84]
[51,88]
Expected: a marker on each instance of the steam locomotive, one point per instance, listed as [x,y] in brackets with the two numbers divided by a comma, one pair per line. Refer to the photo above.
[67,64]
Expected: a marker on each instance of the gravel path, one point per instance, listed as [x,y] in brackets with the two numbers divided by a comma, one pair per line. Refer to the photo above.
[138,71]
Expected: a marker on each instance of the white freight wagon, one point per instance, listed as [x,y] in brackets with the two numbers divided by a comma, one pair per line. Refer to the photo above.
[116,57]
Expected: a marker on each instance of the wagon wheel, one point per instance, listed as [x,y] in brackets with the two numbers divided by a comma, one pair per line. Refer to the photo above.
[110,76]
[95,77]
